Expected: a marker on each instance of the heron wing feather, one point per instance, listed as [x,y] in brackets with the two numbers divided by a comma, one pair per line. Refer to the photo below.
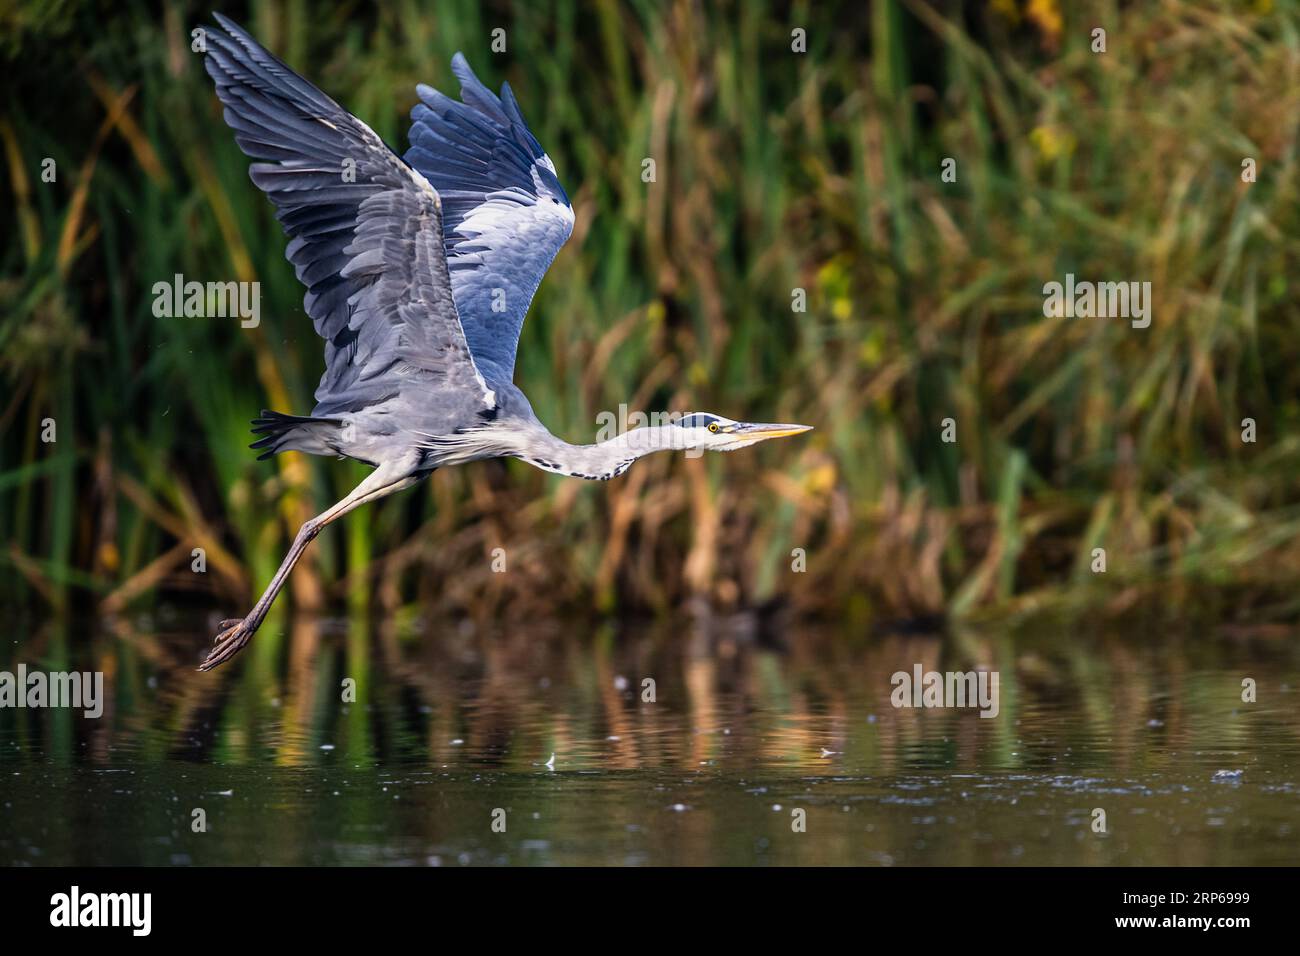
[505,214]
[365,230]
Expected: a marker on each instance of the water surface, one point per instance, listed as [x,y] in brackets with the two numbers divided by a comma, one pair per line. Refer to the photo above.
[454,727]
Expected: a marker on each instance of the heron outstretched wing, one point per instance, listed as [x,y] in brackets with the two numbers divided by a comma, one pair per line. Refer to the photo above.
[505,214]
[365,230]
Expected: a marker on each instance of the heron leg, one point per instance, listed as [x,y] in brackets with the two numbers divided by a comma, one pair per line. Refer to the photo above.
[236,633]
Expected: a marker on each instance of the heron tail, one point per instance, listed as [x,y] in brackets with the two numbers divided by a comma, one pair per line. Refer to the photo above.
[281,432]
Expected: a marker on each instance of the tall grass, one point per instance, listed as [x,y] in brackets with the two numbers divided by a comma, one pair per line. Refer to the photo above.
[776,171]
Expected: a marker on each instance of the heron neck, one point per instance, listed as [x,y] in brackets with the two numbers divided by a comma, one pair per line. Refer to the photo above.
[604,459]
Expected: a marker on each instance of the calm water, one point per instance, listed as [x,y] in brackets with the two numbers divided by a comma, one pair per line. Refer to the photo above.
[453,724]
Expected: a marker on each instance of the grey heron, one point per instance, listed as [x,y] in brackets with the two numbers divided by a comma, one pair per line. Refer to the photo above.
[419,270]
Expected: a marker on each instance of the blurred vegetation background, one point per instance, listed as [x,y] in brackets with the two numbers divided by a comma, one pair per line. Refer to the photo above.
[776,171]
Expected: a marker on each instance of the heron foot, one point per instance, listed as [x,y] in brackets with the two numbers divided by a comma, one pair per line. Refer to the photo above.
[233,634]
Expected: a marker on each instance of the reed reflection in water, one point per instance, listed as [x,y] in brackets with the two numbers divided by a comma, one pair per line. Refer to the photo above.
[442,725]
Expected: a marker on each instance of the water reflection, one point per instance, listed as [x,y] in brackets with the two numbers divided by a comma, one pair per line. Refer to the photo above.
[333,743]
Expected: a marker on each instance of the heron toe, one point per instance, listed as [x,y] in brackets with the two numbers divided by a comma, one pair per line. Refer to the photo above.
[230,640]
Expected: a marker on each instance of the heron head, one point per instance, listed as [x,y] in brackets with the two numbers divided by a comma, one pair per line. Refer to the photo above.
[715,433]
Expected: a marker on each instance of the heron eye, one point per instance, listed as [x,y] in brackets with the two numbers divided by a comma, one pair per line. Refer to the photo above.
[713,426]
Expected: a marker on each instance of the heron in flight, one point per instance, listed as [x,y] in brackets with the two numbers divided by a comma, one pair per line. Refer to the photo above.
[419,270]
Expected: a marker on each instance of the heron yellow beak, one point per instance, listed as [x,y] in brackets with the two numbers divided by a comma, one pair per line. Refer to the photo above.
[761,431]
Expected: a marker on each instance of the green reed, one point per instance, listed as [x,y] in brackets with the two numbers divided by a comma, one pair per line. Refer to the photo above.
[775,171]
